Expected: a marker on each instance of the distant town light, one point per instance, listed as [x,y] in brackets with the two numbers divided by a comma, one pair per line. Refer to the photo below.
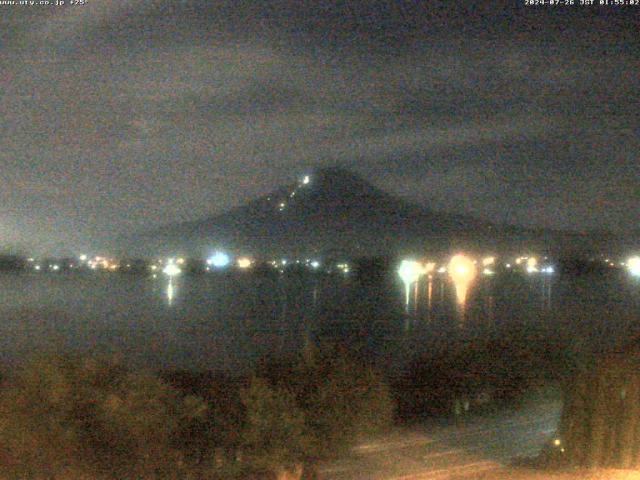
[83,258]
[487,271]
[172,270]
[633,264]
[180,261]
[55,268]
[428,267]
[37,267]
[315,264]
[488,261]
[219,260]
[244,262]
[306,179]
[344,267]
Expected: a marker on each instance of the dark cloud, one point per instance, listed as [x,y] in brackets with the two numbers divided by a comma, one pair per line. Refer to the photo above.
[125,115]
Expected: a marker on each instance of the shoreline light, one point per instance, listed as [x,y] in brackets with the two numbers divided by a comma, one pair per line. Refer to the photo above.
[219,260]
[428,267]
[410,272]
[244,262]
[633,265]
[172,270]
[488,261]
[462,271]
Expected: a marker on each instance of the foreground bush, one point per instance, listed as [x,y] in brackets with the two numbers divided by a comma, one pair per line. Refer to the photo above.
[275,438]
[67,417]
[342,398]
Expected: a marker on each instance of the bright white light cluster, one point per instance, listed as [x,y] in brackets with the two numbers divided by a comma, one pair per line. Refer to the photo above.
[171,270]
[219,260]
[410,271]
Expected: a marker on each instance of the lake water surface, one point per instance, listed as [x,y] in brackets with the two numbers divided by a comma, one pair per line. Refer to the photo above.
[230,321]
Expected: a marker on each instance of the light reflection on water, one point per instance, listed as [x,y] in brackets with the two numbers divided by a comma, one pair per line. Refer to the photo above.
[170,291]
[226,321]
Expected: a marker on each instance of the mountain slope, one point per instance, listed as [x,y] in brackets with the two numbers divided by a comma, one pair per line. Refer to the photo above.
[331,212]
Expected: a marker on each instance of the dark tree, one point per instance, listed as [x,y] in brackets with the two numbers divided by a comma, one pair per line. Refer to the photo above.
[600,424]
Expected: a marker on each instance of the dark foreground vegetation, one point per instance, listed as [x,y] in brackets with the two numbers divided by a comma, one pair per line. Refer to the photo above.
[76,417]
[600,424]
[72,416]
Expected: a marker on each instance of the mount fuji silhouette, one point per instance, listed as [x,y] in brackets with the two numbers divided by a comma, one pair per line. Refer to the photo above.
[334,212]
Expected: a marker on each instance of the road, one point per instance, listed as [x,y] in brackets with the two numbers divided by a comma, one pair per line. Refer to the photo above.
[440,451]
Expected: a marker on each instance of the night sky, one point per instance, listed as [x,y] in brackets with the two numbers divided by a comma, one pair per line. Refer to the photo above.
[123,115]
